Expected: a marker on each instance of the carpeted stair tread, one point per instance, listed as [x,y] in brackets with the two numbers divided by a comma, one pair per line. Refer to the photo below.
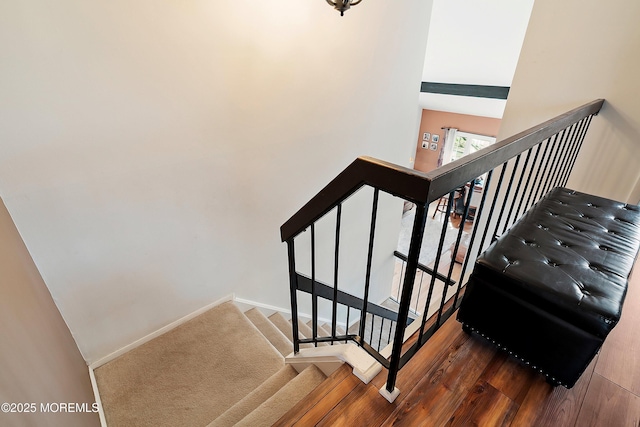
[327,327]
[255,398]
[322,332]
[269,330]
[339,330]
[285,327]
[189,375]
[286,398]
[305,330]
[283,324]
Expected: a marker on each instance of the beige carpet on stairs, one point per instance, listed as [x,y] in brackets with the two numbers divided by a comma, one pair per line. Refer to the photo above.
[256,398]
[190,375]
[277,405]
[269,330]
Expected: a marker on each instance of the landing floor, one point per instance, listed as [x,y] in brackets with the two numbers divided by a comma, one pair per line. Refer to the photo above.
[461,380]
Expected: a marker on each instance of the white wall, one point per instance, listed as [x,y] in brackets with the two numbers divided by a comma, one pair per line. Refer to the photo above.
[40,361]
[574,52]
[473,42]
[150,151]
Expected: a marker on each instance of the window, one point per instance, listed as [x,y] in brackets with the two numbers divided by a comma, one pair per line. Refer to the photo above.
[467,143]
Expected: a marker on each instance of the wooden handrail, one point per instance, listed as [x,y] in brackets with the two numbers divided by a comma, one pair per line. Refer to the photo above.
[463,170]
[394,179]
[423,188]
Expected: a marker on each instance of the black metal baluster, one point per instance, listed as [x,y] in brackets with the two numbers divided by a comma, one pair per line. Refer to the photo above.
[372,231]
[492,208]
[506,198]
[419,290]
[572,152]
[554,163]
[334,319]
[373,324]
[566,150]
[380,337]
[473,236]
[526,186]
[347,325]
[314,296]
[515,194]
[432,282]
[445,287]
[402,271]
[407,288]
[293,289]
[533,194]
[573,162]
[546,167]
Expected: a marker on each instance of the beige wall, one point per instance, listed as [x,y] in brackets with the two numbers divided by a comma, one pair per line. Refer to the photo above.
[39,360]
[576,51]
[433,122]
[151,150]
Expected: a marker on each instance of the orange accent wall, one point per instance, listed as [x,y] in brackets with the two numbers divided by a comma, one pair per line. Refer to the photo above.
[433,121]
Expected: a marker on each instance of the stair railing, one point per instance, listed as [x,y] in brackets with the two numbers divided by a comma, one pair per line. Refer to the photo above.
[516,172]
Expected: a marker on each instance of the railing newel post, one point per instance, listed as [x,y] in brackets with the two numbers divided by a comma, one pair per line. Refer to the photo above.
[293,288]
[407,287]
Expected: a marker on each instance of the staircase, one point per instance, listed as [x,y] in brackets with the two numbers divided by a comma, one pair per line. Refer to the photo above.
[222,368]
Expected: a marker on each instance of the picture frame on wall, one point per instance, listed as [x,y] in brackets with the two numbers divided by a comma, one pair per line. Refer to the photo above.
[433,146]
[425,144]
[435,138]
[426,136]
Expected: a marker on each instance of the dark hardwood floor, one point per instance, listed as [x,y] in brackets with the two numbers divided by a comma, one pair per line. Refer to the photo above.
[461,380]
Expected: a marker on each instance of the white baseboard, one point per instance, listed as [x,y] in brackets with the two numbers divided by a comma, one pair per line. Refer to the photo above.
[157,333]
[96,395]
[266,307]
[272,308]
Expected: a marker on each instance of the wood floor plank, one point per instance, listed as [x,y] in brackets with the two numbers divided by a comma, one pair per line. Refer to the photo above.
[619,359]
[608,404]
[444,385]
[545,405]
[363,406]
[484,406]
[316,413]
[462,380]
[449,334]
[510,376]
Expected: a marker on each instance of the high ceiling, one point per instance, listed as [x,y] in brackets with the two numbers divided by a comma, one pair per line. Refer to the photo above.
[476,43]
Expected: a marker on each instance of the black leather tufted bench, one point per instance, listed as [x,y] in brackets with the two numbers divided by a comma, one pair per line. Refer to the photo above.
[551,289]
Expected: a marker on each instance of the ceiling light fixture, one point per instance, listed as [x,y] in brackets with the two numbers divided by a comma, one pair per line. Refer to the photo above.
[343,5]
